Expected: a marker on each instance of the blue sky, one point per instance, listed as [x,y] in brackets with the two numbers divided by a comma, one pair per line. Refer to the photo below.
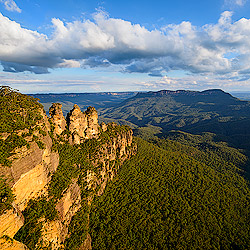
[93,46]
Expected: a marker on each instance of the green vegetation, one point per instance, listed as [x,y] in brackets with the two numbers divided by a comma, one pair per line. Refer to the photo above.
[6,196]
[70,158]
[36,212]
[181,191]
[78,229]
[169,199]
[8,145]
[18,111]
[191,111]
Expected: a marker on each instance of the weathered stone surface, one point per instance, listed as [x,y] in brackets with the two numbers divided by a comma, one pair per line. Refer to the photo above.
[10,222]
[104,127]
[57,118]
[77,121]
[30,172]
[83,125]
[77,124]
[93,126]
[70,202]
[30,185]
[55,232]
[51,235]
[10,244]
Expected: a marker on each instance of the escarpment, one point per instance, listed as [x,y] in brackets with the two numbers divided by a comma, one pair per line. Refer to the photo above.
[52,169]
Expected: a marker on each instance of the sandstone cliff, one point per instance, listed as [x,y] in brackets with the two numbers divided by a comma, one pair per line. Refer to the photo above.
[28,175]
[41,168]
[81,125]
[57,118]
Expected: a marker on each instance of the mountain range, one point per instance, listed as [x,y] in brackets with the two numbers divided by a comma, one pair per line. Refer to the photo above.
[72,182]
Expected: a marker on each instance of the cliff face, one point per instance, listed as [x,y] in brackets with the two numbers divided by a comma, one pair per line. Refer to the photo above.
[57,118]
[10,244]
[77,124]
[28,175]
[35,167]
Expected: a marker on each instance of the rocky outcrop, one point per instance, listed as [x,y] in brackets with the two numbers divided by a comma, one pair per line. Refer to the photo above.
[10,244]
[55,232]
[77,124]
[57,118]
[10,222]
[83,125]
[93,127]
[29,174]
[103,127]
[68,205]
[33,166]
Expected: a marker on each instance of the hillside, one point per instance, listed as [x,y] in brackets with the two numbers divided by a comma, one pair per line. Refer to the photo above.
[179,109]
[191,111]
[83,100]
[174,197]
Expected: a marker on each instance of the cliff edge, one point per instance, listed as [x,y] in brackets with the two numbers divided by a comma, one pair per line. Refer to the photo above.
[52,168]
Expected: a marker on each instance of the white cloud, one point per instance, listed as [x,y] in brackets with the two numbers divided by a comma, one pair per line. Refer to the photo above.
[195,82]
[232,3]
[106,41]
[10,5]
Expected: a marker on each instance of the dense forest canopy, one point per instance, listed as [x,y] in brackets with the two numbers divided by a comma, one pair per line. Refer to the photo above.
[164,198]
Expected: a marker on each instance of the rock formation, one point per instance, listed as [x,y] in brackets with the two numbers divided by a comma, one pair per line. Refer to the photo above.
[93,127]
[10,244]
[77,124]
[32,169]
[103,127]
[81,125]
[57,118]
[29,174]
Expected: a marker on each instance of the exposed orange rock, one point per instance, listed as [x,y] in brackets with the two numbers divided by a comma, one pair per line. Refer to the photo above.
[10,222]
[10,244]
[57,118]
[83,125]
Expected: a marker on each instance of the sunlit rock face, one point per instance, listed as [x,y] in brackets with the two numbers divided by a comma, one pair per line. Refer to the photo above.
[10,222]
[83,125]
[93,127]
[28,176]
[57,118]
[10,244]
[77,121]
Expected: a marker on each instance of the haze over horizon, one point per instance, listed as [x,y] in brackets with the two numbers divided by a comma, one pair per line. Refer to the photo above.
[111,46]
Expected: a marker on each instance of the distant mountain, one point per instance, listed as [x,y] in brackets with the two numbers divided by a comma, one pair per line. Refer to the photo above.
[242,95]
[192,111]
[83,100]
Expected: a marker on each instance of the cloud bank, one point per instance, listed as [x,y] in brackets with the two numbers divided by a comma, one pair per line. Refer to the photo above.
[216,49]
